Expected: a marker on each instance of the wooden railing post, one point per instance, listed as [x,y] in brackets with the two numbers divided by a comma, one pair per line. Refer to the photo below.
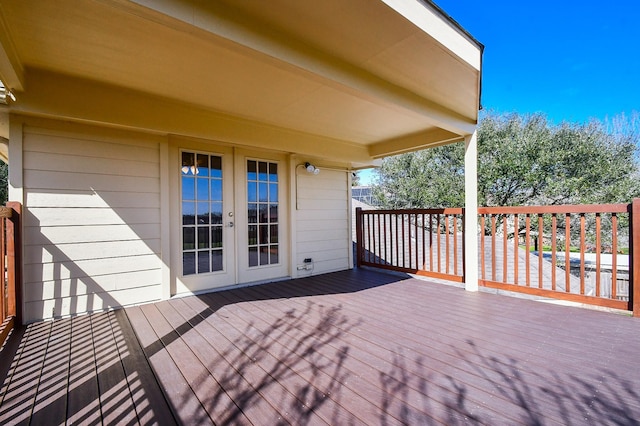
[634,292]
[359,242]
[14,261]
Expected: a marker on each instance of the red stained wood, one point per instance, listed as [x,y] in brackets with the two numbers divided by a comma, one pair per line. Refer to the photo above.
[598,251]
[567,252]
[554,248]
[493,247]
[583,249]
[576,209]
[540,245]
[527,251]
[634,304]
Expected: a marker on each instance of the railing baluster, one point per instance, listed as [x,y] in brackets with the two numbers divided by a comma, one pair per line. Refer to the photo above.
[409,240]
[614,256]
[379,226]
[504,249]
[446,244]
[438,256]
[516,258]
[527,248]
[404,241]
[431,242]
[493,247]
[583,247]
[424,255]
[554,248]
[417,251]
[397,243]
[365,237]
[598,253]
[540,245]
[482,245]
[455,244]
[567,251]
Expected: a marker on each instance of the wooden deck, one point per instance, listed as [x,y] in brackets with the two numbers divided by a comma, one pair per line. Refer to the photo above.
[355,347]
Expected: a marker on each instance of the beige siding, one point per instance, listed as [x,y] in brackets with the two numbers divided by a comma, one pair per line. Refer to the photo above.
[92,222]
[322,221]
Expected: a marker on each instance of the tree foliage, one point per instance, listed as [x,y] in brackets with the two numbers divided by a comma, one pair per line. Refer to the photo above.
[355,179]
[522,160]
[4,183]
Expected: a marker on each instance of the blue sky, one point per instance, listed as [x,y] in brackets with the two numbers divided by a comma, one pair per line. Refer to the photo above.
[570,60]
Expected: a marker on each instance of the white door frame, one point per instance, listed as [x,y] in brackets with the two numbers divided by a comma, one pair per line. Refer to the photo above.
[265,273]
[235,239]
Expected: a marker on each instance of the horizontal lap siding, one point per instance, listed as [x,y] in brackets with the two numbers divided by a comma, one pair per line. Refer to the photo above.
[323,221]
[92,222]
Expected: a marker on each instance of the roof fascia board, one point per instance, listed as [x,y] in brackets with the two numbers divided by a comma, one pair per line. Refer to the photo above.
[217,20]
[430,20]
[414,142]
[63,97]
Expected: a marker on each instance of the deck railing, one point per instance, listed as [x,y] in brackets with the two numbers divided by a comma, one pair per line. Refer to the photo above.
[10,249]
[580,253]
[421,241]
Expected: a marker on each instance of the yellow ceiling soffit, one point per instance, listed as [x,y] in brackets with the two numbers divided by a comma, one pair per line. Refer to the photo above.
[64,97]
[11,70]
[219,21]
[414,142]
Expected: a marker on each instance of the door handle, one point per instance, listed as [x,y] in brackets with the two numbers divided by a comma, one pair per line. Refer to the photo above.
[230,224]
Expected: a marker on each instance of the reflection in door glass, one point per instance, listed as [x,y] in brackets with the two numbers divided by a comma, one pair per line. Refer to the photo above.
[201,189]
[262,208]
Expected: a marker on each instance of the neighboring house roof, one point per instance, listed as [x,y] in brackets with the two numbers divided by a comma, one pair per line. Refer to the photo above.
[363,194]
[347,81]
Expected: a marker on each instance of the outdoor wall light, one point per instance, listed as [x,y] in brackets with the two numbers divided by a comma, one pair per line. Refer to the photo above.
[193,169]
[311,168]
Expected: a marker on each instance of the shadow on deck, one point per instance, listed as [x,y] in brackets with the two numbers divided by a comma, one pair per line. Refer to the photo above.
[353,347]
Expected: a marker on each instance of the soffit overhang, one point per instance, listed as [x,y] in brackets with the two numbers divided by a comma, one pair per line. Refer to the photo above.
[357,80]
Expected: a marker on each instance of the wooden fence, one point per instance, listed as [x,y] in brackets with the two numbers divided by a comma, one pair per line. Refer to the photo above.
[580,253]
[10,250]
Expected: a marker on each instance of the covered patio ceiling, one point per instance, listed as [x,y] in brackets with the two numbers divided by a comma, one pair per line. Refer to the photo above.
[354,80]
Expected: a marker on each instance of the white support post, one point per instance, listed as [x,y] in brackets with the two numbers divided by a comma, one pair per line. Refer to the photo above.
[471,212]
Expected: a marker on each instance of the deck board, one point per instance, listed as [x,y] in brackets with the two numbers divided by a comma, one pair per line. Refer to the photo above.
[354,347]
[149,402]
[50,405]
[84,397]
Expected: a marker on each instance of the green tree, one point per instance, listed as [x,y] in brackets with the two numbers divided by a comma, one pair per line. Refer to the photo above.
[4,183]
[522,160]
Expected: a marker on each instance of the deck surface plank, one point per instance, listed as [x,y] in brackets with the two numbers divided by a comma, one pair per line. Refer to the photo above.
[165,352]
[18,401]
[150,405]
[115,399]
[51,400]
[83,405]
[353,347]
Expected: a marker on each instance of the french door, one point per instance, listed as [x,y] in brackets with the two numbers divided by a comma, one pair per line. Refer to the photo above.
[261,206]
[233,213]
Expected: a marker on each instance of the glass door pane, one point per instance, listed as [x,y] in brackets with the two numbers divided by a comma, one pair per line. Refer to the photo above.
[202,224]
[262,213]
